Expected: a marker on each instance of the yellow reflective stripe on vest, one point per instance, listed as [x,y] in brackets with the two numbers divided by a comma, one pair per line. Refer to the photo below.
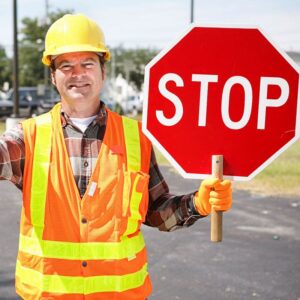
[132,142]
[81,285]
[41,162]
[126,248]
[133,152]
[135,216]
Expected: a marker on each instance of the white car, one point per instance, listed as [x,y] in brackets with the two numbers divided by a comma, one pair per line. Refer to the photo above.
[133,105]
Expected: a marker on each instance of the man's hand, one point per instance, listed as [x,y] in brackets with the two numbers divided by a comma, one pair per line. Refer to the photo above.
[213,193]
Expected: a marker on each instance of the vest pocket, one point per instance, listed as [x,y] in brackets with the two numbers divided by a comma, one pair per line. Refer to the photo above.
[135,200]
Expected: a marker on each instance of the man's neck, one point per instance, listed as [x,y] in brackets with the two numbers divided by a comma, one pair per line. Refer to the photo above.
[81,110]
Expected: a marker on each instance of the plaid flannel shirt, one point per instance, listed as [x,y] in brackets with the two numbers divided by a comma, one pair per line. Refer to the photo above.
[166,211]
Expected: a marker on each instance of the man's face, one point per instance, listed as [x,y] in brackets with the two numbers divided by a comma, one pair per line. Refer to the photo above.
[78,78]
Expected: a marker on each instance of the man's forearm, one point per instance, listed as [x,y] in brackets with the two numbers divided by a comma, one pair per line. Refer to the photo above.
[170,212]
[12,153]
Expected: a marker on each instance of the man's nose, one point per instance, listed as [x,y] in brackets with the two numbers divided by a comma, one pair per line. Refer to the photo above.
[78,70]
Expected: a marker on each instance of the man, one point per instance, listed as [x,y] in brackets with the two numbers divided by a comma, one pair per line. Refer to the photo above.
[89,179]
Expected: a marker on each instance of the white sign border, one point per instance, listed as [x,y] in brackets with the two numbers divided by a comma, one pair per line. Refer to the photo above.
[166,153]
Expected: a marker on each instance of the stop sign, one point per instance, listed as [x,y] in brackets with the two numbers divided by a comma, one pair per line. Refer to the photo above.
[227,91]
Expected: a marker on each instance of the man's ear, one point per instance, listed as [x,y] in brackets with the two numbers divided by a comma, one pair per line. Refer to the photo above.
[103,70]
[53,78]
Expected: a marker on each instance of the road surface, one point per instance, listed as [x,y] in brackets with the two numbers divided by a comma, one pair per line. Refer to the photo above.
[259,257]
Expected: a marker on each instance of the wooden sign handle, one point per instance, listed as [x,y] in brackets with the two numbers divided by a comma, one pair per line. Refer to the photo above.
[216,216]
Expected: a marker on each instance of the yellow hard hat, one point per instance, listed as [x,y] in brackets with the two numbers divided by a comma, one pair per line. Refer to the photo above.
[74,33]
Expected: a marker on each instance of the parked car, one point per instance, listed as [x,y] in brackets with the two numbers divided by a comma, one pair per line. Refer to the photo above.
[48,101]
[47,104]
[30,100]
[6,107]
[132,105]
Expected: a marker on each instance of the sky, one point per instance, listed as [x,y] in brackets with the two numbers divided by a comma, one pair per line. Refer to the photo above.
[159,23]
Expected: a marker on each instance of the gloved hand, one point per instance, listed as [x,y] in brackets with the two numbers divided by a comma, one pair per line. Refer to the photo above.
[213,193]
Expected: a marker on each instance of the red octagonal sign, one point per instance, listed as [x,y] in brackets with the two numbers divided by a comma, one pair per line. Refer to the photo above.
[227,91]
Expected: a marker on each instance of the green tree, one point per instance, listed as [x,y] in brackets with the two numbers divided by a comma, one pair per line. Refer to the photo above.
[5,67]
[31,48]
[130,63]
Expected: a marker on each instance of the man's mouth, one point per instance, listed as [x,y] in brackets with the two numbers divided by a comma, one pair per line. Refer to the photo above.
[78,85]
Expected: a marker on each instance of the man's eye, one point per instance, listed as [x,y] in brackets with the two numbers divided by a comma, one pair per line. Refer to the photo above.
[88,65]
[65,67]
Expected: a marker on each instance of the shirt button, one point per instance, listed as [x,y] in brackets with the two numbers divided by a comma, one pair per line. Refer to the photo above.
[83,220]
[84,264]
[85,164]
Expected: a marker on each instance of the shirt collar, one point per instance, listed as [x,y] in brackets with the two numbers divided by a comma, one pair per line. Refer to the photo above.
[100,119]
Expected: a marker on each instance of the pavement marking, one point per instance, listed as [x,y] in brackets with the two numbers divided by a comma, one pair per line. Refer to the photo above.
[281,230]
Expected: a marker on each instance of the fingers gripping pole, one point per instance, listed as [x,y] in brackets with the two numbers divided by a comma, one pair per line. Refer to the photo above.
[216,216]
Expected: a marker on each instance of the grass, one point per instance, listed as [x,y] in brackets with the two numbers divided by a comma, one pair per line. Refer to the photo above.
[280,178]
[2,127]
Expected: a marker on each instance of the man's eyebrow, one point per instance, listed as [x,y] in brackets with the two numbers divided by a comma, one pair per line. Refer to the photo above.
[89,59]
[65,61]
[62,62]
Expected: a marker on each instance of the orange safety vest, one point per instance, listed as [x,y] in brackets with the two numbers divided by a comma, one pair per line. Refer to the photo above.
[89,248]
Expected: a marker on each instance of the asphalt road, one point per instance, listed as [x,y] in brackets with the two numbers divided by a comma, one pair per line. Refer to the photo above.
[259,257]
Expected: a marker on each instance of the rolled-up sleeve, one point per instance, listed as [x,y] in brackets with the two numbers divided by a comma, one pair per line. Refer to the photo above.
[166,211]
[12,155]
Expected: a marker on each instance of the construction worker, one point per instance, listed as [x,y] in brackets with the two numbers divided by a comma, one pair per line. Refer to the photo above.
[89,179]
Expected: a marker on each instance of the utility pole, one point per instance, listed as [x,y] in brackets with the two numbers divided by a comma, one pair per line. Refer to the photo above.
[192,11]
[15,61]
[113,64]
[46,71]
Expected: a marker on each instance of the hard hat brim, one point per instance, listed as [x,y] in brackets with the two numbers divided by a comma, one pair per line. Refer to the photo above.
[74,48]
